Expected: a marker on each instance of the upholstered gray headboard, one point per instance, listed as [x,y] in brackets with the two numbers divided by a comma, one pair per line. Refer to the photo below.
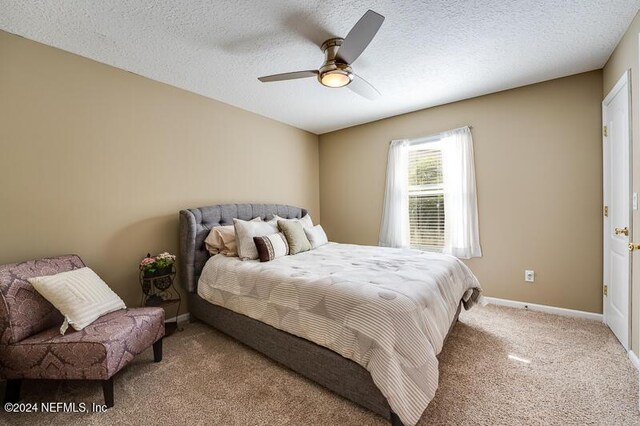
[195,225]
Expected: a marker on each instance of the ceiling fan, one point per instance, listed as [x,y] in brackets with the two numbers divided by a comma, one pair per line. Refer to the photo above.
[340,53]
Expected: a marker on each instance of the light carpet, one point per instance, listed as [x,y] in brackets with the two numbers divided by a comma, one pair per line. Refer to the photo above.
[500,366]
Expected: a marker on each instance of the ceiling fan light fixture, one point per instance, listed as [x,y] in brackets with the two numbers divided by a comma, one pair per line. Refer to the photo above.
[336,78]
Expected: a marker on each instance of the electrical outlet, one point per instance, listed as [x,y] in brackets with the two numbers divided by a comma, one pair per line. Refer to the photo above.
[529,276]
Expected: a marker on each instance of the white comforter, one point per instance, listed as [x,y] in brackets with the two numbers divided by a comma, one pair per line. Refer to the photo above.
[387,309]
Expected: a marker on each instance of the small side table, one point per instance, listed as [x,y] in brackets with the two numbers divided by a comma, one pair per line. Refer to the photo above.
[158,290]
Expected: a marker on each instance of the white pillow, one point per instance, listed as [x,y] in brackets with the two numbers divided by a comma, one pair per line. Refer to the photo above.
[221,239]
[80,295]
[245,231]
[316,236]
[304,220]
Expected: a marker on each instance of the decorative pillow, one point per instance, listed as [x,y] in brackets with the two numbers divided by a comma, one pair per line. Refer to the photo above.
[213,242]
[304,220]
[316,235]
[296,238]
[271,246]
[228,236]
[245,231]
[222,239]
[80,295]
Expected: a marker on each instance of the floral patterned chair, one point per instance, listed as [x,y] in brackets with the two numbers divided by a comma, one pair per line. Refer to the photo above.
[31,346]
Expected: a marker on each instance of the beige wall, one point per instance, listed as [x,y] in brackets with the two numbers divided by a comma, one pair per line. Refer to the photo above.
[68,187]
[98,161]
[625,57]
[539,176]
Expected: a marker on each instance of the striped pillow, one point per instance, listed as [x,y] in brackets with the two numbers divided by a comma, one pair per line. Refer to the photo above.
[271,246]
[80,295]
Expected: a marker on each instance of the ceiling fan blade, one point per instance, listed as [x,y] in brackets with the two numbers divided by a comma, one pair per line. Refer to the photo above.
[359,37]
[363,88]
[289,76]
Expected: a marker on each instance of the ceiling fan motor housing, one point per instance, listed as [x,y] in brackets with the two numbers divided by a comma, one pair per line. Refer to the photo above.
[333,73]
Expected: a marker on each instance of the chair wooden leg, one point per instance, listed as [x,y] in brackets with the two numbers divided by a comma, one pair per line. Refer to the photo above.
[107,389]
[12,390]
[395,420]
[157,351]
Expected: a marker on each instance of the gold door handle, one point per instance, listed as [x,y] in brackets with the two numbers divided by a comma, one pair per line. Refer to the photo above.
[621,231]
[634,246]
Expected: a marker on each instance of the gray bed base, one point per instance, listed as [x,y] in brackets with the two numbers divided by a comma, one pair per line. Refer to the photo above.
[319,364]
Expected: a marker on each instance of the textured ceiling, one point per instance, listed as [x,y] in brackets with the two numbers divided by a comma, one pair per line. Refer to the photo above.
[427,52]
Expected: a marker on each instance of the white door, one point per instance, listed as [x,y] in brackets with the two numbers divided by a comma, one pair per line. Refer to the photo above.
[617,214]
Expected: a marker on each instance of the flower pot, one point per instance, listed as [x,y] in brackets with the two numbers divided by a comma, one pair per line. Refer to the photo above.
[158,272]
[162,282]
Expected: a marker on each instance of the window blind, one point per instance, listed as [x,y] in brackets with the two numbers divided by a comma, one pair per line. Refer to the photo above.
[426,197]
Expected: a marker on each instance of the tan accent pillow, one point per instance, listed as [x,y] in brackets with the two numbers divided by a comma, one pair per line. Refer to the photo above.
[228,236]
[304,220]
[222,239]
[80,295]
[213,242]
[294,233]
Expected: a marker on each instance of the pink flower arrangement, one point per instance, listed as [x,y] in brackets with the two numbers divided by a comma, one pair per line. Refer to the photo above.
[147,261]
[152,264]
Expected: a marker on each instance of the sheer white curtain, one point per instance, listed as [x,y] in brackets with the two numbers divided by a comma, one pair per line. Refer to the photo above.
[394,229]
[461,234]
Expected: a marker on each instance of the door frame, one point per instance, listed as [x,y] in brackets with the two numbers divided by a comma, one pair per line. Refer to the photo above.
[625,79]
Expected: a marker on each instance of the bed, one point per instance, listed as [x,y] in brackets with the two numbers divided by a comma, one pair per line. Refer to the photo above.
[279,308]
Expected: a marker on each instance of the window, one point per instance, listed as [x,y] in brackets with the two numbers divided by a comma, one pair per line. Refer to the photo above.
[430,194]
[426,197]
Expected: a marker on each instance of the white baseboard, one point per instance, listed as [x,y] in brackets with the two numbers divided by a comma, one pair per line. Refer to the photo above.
[179,318]
[544,308]
[634,360]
